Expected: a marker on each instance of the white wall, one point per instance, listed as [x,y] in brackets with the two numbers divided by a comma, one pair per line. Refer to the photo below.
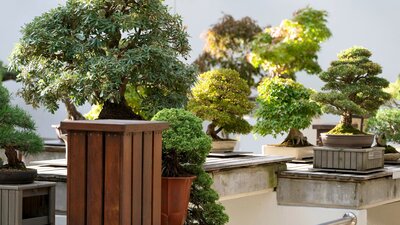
[372,24]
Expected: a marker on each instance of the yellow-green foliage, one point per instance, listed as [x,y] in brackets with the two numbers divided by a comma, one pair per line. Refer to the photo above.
[221,97]
[283,104]
[345,130]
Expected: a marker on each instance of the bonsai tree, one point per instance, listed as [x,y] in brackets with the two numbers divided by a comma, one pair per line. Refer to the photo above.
[284,105]
[227,45]
[293,45]
[16,132]
[283,51]
[386,125]
[93,51]
[184,151]
[221,96]
[394,91]
[352,88]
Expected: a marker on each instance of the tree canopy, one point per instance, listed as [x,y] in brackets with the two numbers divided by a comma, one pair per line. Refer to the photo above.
[228,44]
[352,86]
[293,45]
[90,51]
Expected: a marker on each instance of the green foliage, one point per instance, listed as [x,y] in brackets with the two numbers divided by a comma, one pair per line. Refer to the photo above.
[5,74]
[345,130]
[227,45]
[283,104]
[352,85]
[394,90]
[91,50]
[221,97]
[292,46]
[185,143]
[17,127]
[386,122]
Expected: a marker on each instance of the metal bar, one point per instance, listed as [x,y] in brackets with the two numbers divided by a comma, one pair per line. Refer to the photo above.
[348,219]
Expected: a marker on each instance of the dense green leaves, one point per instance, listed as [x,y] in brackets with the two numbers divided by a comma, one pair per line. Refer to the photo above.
[90,51]
[228,44]
[186,144]
[386,122]
[293,45]
[221,97]
[17,127]
[283,104]
[352,85]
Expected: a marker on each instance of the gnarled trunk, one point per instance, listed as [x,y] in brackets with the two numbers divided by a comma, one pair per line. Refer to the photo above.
[13,160]
[213,133]
[295,138]
[119,110]
[73,113]
[346,119]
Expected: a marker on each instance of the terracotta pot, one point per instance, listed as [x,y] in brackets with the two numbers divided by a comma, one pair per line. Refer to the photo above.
[223,146]
[350,141]
[14,176]
[175,196]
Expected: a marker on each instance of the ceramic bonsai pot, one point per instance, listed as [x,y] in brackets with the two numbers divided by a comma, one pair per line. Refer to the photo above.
[175,195]
[223,146]
[15,176]
[295,152]
[350,141]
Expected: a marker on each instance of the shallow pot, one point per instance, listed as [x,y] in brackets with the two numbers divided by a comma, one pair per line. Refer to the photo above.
[351,141]
[392,156]
[295,152]
[14,176]
[175,196]
[223,146]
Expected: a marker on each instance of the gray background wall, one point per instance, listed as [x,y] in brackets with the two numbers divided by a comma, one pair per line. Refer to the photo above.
[369,23]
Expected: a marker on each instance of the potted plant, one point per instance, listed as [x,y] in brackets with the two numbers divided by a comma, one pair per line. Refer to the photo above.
[285,106]
[352,87]
[221,97]
[386,126]
[184,150]
[16,134]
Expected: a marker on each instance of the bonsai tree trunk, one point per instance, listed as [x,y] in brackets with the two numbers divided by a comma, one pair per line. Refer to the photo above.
[73,113]
[346,119]
[295,138]
[213,133]
[120,110]
[12,159]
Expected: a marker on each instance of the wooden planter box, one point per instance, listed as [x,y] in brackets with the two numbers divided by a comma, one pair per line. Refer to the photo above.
[27,204]
[114,172]
[295,152]
[348,159]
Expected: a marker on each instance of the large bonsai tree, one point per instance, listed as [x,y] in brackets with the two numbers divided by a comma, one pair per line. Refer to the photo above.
[185,148]
[283,105]
[16,132]
[228,44]
[283,51]
[221,96]
[90,51]
[352,88]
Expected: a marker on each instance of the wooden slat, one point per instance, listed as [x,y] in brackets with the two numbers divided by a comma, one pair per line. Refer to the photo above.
[147,216]
[52,205]
[95,181]
[11,207]
[341,160]
[157,143]
[347,163]
[126,181]
[112,176]
[76,183]
[18,207]
[137,178]
[4,207]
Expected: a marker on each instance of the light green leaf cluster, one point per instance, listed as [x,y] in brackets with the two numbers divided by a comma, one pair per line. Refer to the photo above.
[352,85]
[394,89]
[89,51]
[221,97]
[292,46]
[283,104]
[387,122]
[17,129]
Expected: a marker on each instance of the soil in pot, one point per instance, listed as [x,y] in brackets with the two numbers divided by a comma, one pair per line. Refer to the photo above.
[17,176]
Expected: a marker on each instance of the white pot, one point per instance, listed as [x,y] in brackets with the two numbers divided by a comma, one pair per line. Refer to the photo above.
[295,152]
[223,146]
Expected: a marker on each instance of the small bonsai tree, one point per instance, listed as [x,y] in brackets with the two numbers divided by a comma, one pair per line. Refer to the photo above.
[185,148]
[352,88]
[284,106]
[16,132]
[228,44]
[386,126]
[90,51]
[221,96]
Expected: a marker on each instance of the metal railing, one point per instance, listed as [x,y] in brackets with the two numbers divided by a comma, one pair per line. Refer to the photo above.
[348,219]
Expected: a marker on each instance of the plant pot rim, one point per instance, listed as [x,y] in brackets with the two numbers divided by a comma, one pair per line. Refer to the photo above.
[282,146]
[180,178]
[226,140]
[341,135]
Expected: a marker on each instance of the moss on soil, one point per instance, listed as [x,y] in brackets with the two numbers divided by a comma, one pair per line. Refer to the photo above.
[345,130]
